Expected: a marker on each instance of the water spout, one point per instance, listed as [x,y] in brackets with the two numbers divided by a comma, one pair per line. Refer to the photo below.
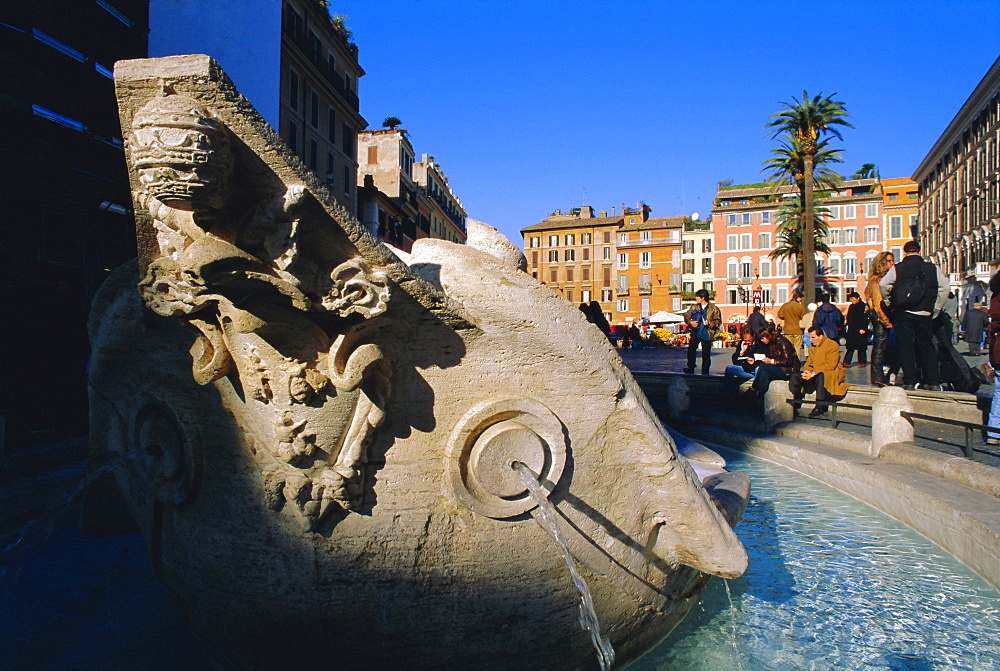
[548,519]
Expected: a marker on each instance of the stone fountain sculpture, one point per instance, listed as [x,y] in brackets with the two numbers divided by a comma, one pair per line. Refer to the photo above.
[317,432]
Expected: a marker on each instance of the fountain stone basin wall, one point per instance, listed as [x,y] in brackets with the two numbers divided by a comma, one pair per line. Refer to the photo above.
[318,432]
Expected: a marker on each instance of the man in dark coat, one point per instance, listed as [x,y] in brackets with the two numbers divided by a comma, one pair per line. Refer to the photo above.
[974,327]
[756,320]
[857,331]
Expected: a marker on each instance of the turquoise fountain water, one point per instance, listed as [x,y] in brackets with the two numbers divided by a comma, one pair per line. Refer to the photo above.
[833,584]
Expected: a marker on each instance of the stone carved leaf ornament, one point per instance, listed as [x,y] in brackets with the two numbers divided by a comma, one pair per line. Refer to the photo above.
[355,289]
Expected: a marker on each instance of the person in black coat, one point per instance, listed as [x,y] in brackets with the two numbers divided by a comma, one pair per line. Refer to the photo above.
[857,331]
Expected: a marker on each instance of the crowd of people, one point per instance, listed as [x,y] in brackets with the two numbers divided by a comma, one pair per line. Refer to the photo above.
[907,316]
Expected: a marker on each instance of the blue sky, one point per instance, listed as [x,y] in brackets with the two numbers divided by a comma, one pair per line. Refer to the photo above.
[534,106]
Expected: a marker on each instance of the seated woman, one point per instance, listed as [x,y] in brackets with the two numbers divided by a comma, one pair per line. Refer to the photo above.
[822,373]
[742,367]
[779,364]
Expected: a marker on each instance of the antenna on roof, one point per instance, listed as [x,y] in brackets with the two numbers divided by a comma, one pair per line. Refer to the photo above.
[584,201]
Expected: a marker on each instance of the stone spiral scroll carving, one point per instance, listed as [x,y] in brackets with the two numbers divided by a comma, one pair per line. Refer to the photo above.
[486,442]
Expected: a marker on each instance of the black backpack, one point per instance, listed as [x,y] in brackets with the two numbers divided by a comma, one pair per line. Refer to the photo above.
[908,293]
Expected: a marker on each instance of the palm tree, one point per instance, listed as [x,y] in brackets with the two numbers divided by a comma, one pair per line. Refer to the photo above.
[788,234]
[806,121]
[391,122]
[787,166]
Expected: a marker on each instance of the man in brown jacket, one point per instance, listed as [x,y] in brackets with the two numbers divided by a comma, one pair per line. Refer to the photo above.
[702,313]
[789,316]
[821,373]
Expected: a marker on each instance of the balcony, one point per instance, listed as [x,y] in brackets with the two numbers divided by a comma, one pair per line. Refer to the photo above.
[645,289]
[651,241]
[621,291]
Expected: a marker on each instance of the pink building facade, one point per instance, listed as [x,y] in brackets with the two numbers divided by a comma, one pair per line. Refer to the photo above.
[745,221]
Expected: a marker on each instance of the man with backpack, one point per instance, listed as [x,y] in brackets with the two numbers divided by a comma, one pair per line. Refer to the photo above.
[829,318]
[915,292]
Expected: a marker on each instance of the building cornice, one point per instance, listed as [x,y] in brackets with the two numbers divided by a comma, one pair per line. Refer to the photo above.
[983,93]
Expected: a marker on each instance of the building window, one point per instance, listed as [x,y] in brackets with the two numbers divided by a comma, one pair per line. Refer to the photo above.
[553,256]
[675,258]
[745,219]
[585,296]
[893,196]
[688,246]
[293,89]
[313,155]
[622,284]
[871,210]
[763,241]
[833,265]
[896,227]
[645,235]
[872,234]
[913,227]
[607,253]
[850,267]
[570,240]
[834,212]
[644,308]
[645,282]
[850,236]
[675,304]
[553,241]
[554,275]
[746,270]
[783,268]
[314,109]
[348,140]
[745,241]
[706,246]
[534,259]
[331,125]
[570,255]
[623,238]
[585,238]
[607,237]
[569,294]
[372,155]
[607,277]
[606,295]
[586,253]
[730,220]
[645,260]
[347,181]
[293,137]
[688,286]
[586,273]
[732,272]
[782,294]
[623,262]
[850,212]
[765,267]
[731,296]
[706,266]
[569,274]
[688,268]
[622,305]
[765,217]
[731,242]
[533,241]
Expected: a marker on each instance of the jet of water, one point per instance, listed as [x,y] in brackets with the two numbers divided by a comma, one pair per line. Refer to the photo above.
[549,520]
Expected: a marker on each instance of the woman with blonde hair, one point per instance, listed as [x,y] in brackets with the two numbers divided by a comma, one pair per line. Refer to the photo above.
[876,303]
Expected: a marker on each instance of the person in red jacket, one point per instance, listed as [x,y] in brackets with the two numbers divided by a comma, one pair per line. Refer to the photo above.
[781,360]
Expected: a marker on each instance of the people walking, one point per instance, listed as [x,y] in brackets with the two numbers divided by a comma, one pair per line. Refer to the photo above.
[881,325]
[822,373]
[974,327]
[703,320]
[858,330]
[789,315]
[915,291]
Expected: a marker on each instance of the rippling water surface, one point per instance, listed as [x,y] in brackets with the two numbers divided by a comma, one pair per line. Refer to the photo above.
[833,584]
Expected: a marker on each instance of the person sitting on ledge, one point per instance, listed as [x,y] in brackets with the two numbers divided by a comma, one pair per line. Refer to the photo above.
[822,373]
[744,360]
[779,362]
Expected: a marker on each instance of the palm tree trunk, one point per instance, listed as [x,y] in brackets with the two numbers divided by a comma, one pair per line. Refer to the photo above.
[808,234]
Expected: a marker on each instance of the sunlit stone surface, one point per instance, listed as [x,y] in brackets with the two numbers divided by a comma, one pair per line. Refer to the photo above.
[319,434]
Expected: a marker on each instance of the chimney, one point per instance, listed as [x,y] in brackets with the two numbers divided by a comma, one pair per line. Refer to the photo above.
[612,211]
[586,212]
[603,213]
[558,212]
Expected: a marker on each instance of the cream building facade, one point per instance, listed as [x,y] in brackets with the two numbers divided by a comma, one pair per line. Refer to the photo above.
[960,186]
